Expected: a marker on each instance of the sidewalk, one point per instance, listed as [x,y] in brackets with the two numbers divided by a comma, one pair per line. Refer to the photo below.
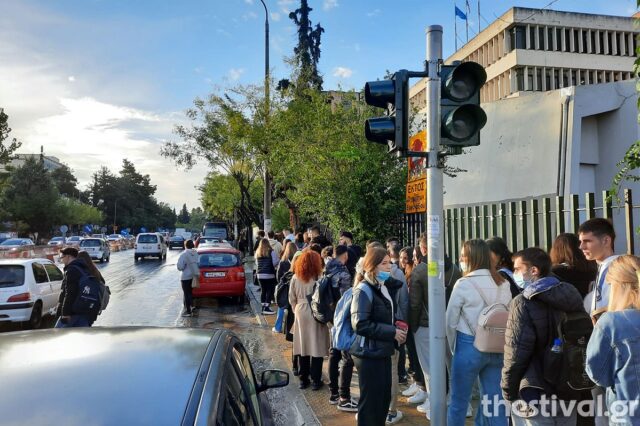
[318,401]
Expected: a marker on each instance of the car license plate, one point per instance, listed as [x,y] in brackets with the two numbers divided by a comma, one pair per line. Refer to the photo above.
[214,274]
[146,247]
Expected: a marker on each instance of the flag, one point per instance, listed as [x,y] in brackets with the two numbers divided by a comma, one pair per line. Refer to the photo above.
[460,14]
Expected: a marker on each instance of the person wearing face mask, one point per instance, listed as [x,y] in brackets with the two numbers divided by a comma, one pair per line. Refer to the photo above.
[377,336]
[528,335]
[480,286]
[502,262]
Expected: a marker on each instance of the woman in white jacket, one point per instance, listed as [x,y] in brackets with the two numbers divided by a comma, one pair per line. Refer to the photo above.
[480,287]
[188,264]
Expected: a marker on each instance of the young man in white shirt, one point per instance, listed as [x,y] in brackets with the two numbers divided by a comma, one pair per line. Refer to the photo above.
[596,242]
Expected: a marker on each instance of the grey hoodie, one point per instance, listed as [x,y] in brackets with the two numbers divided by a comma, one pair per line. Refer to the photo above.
[187,257]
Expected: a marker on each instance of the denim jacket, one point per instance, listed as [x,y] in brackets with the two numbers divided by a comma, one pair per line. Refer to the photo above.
[613,357]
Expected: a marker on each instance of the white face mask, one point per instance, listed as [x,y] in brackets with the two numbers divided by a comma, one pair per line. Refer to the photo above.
[520,280]
[464,267]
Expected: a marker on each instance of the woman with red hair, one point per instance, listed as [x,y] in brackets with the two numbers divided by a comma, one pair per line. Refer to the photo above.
[310,338]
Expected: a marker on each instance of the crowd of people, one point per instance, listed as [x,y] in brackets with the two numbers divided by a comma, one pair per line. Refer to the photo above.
[542,338]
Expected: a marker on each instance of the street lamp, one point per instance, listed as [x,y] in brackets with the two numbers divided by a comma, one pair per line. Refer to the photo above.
[267,176]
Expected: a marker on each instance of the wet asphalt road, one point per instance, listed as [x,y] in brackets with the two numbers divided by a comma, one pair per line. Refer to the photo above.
[148,293]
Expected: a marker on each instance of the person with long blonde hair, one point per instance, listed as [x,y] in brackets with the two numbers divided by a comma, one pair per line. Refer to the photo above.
[373,319]
[267,260]
[613,352]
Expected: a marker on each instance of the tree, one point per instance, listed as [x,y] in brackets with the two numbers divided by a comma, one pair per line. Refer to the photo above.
[32,198]
[184,217]
[75,212]
[306,53]
[65,181]
[6,151]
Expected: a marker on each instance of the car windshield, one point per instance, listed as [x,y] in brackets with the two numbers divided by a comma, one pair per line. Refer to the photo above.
[12,242]
[218,260]
[11,275]
[57,239]
[90,243]
[177,239]
[147,239]
[74,238]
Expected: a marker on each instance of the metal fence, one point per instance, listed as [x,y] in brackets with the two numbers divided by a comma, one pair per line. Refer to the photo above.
[533,222]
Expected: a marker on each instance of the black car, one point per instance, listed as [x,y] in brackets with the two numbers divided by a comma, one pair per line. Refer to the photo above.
[176,241]
[131,376]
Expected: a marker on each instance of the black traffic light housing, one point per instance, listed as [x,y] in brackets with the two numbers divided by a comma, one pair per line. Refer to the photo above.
[460,111]
[393,129]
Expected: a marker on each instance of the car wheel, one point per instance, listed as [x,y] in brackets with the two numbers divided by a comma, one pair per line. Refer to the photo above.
[102,259]
[35,321]
[136,258]
[240,300]
[165,255]
[109,258]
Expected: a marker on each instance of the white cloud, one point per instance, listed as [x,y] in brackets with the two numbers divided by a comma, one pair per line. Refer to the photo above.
[71,78]
[329,4]
[235,73]
[248,1]
[275,16]
[342,72]
[374,12]
[223,32]
[250,15]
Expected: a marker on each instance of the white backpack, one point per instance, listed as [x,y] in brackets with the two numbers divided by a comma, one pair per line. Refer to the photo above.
[492,324]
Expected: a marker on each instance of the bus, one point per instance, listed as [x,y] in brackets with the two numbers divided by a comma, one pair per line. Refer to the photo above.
[216,229]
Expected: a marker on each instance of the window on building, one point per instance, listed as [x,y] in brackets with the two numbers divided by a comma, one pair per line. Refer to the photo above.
[519,79]
[541,38]
[529,79]
[539,79]
[609,51]
[550,39]
[574,77]
[556,79]
[584,41]
[532,37]
[518,37]
[619,40]
[559,39]
[547,79]
[593,41]
[565,78]
[567,40]
[600,46]
[635,43]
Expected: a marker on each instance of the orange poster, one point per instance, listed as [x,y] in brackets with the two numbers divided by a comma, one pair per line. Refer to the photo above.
[416,196]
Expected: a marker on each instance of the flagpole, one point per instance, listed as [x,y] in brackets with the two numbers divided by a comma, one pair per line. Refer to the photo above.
[455,24]
[478,16]
[467,20]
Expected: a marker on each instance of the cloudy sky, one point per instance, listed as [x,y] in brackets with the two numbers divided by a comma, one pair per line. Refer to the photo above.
[96,81]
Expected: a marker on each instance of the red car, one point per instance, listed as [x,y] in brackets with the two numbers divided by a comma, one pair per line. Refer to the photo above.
[221,273]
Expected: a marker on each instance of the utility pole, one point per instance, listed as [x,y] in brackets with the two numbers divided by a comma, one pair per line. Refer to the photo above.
[434,223]
[267,176]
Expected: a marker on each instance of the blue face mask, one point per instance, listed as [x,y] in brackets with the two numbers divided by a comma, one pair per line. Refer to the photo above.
[520,280]
[383,276]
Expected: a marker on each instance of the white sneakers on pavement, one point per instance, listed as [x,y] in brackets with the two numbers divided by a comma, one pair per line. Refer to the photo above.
[425,408]
[469,411]
[392,419]
[411,390]
[418,397]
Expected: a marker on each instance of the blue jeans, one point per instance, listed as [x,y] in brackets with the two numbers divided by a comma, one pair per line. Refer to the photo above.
[279,319]
[468,363]
[73,321]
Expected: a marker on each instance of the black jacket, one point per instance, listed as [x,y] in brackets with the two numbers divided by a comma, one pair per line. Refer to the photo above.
[372,320]
[581,279]
[265,265]
[527,336]
[418,298]
[70,286]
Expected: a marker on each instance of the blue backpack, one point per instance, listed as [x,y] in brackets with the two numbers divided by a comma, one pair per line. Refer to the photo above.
[93,295]
[342,334]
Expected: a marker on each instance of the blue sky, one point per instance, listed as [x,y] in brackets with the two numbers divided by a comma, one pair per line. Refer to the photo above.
[95,81]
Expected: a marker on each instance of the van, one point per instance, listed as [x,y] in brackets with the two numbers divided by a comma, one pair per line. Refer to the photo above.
[97,248]
[150,244]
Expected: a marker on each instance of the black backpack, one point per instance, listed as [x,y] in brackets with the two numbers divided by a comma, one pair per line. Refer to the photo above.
[565,370]
[93,295]
[282,290]
[323,299]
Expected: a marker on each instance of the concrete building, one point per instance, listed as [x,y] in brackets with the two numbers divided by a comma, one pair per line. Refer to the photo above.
[561,104]
[50,163]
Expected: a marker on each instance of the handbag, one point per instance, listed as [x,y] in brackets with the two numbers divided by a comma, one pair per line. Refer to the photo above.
[492,325]
[195,270]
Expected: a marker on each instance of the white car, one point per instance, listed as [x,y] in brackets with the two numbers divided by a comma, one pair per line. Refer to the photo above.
[57,241]
[97,248]
[29,289]
[150,244]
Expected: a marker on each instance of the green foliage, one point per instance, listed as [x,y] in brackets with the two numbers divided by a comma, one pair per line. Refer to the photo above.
[31,197]
[307,51]
[221,195]
[6,152]
[197,218]
[74,212]
[184,217]
[65,181]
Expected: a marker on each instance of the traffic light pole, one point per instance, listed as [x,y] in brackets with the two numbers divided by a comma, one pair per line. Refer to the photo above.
[435,227]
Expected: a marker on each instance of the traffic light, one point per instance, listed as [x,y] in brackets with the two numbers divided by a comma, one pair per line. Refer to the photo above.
[393,95]
[462,117]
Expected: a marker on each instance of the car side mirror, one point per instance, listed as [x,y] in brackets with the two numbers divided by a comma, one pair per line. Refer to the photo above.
[273,379]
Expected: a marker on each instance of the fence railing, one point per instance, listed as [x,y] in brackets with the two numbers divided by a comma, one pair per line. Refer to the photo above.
[533,222]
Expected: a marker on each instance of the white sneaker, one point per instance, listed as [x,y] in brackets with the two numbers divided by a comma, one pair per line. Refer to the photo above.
[418,398]
[411,390]
[469,411]
[392,419]
[425,407]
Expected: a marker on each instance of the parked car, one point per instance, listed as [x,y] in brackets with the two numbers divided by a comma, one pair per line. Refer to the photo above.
[29,289]
[176,241]
[16,243]
[74,241]
[97,248]
[221,273]
[150,244]
[57,241]
[103,236]
[197,377]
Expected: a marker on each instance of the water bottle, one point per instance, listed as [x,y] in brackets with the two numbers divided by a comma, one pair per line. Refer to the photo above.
[557,346]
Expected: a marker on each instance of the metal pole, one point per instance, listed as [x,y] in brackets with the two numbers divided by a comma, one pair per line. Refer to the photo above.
[267,176]
[435,225]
